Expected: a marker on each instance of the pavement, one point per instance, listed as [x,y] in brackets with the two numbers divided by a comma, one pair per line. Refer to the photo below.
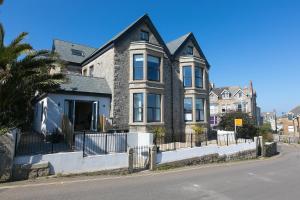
[274,178]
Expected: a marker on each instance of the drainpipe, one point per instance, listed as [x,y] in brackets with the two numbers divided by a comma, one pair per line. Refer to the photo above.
[172,99]
[275,122]
[298,124]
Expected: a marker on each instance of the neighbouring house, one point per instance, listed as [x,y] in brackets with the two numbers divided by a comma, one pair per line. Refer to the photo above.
[233,98]
[290,122]
[270,118]
[72,55]
[137,80]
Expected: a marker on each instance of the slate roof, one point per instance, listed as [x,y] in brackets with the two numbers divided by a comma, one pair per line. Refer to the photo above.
[232,89]
[296,110]
[175,44]
[85,84]
[178,43]
[64,49]
[144,18]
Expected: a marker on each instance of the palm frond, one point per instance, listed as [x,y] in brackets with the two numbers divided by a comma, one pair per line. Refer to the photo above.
[18,40]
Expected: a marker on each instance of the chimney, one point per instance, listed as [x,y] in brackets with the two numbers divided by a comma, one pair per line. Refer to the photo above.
[251,87]
[212,85]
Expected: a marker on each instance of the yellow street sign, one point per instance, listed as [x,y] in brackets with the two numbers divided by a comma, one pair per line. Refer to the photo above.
[238,122]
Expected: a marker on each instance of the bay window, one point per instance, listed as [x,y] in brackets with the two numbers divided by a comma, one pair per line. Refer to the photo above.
[199,109]
[198,77]
[153,108]
[187,76]
[188,109]
[138,103]
[153,68]
[138,63]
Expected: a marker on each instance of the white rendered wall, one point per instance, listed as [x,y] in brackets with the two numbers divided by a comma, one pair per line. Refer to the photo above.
[139,139]
[54,110]
[74,162]
[187,153]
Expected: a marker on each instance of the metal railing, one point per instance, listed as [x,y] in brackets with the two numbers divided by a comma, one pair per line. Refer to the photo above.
[141,157]
[173,142]
[94,143]
[90,143]
[33,143]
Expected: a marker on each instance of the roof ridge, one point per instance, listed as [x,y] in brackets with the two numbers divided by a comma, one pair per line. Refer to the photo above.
[85,76]
[74,43]
[176,43]
[128,28]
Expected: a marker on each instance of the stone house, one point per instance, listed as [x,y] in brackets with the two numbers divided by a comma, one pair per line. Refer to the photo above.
[151,83]
[290,123]
[233,98]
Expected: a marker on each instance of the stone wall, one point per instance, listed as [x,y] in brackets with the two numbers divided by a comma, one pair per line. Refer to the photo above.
[7,151]
[29,171]
[210,158]
[270,149]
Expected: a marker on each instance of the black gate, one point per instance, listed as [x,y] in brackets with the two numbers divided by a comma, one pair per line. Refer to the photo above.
[141,158]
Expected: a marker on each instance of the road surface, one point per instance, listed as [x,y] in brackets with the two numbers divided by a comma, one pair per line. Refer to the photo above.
[275,178]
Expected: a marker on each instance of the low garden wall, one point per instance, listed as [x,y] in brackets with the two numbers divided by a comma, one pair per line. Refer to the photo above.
[270,149]
[74,162]
[206,154]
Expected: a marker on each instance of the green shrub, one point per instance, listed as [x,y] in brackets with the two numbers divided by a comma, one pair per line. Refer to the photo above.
[266,132]
[158,132]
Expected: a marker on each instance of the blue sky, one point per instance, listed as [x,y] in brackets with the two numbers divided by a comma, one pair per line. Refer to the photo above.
[243,40]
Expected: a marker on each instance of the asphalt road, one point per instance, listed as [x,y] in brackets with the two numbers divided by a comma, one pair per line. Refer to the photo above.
[275,178]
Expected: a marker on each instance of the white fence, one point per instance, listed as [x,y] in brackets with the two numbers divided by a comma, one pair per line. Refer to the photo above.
[228,137]
[187,153]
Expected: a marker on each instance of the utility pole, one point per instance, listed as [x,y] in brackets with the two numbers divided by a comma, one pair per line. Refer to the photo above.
[275,121]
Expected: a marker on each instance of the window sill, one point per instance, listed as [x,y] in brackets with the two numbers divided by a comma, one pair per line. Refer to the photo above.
[146,123]
[195,123]
[145,81]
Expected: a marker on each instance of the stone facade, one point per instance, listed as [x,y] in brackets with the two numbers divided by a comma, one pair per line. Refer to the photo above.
[179,91]
[233,98]
[211,158]
[7,151]
[270,149]
[114,61]
[30,171]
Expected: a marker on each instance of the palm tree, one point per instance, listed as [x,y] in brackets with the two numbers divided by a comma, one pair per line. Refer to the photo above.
[24,73]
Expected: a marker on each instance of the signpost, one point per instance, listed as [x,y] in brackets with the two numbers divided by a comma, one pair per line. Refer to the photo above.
[237,122]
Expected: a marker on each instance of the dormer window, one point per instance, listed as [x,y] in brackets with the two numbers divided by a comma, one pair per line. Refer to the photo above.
[77,52]
[189,50]
[144,35]
[225,95]
[240,95]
